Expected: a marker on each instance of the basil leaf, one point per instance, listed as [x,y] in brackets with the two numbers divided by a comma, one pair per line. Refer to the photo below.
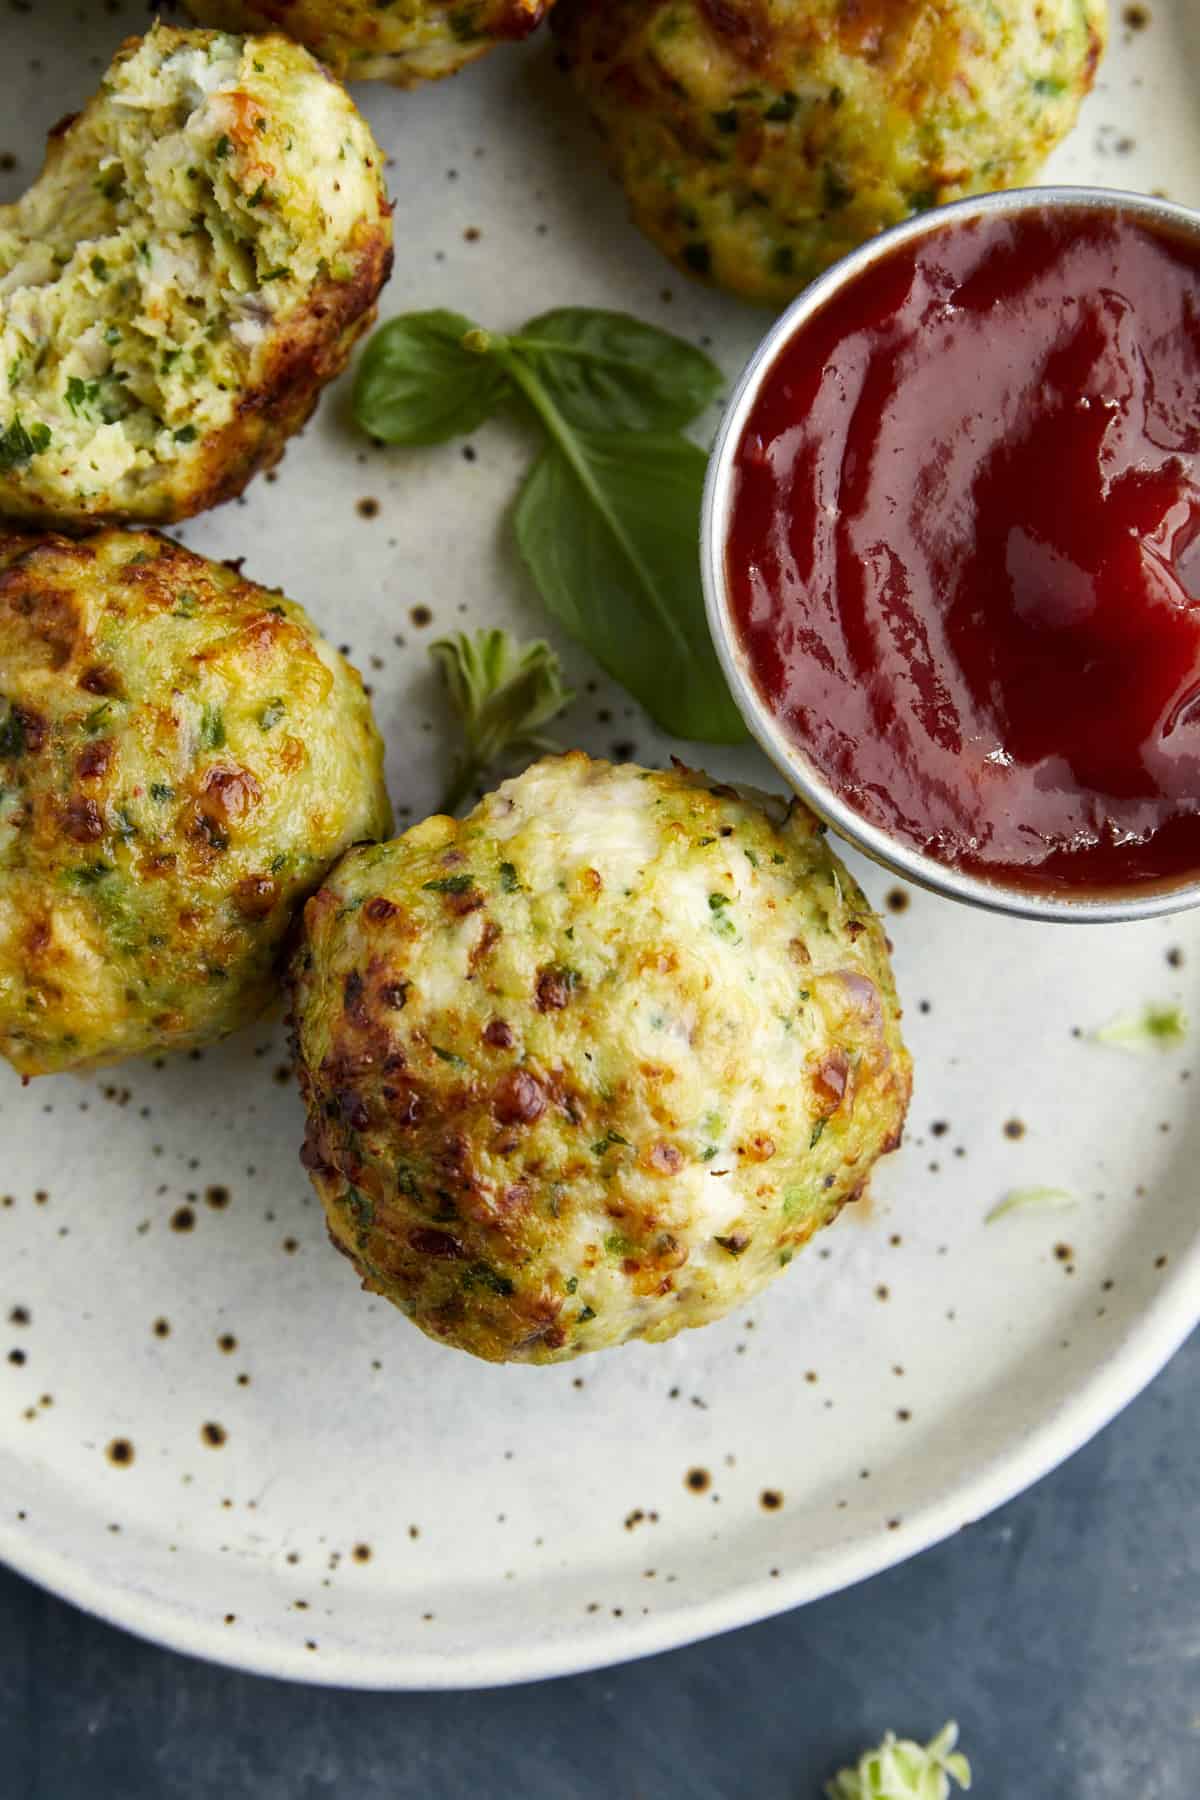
[606,371]
[607,524]
[418,384]
[503,692]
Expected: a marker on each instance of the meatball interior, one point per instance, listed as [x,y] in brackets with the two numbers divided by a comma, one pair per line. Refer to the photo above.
[759,140]
[182,757]
[203,247]
[404,42]
[592,1064]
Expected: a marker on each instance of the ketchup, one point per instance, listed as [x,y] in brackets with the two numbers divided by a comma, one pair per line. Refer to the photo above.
[964,556]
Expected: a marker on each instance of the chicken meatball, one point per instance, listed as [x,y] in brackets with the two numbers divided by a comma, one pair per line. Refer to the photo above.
[759,140]
[202,249]
[402,41]
[182,758]
[594,1063]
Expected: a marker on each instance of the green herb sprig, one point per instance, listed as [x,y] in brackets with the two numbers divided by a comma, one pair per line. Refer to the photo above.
[1031,1199]
[902,1770]
[503,692]
[607,520]
[1153,1028]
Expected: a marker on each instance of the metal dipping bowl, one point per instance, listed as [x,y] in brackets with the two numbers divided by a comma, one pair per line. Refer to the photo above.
[893,853]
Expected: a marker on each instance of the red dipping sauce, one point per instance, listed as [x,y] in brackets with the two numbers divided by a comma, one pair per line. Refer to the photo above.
[964,549]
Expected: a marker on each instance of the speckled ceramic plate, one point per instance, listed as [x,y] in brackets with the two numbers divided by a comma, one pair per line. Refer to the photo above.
[209,1435]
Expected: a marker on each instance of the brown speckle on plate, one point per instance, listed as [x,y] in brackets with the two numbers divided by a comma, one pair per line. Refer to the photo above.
[897,900]
[361,1553]
[698,1480]
[217,1198]
[20,1315]
[770,1500]
[227,1342]
[120,1453]
[183,1218]
[213,1435]
[420,615]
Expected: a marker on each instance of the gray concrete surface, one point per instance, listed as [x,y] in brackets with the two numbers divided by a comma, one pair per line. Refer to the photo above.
[1063,1633]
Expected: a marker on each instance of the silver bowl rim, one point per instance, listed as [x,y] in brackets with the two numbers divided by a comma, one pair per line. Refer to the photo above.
[892,853]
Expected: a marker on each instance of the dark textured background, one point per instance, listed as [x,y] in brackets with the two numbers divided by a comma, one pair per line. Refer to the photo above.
[1063,1633]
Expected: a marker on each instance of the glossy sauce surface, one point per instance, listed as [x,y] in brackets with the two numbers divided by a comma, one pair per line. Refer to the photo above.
[964,550]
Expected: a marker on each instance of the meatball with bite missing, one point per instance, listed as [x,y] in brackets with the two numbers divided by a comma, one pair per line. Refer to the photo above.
[182,758]
[594,1063]
[203,248]
[759,140]
[403,41]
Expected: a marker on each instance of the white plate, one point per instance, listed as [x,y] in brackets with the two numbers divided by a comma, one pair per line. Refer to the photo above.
[913,1369]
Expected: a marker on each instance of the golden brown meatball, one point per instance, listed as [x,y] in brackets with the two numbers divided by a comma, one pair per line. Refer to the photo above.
[759,140]
[401,41]
[182,757]
[203,248]
[594,1063]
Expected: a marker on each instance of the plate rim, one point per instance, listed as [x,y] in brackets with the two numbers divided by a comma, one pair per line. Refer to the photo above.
[1154,1338]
